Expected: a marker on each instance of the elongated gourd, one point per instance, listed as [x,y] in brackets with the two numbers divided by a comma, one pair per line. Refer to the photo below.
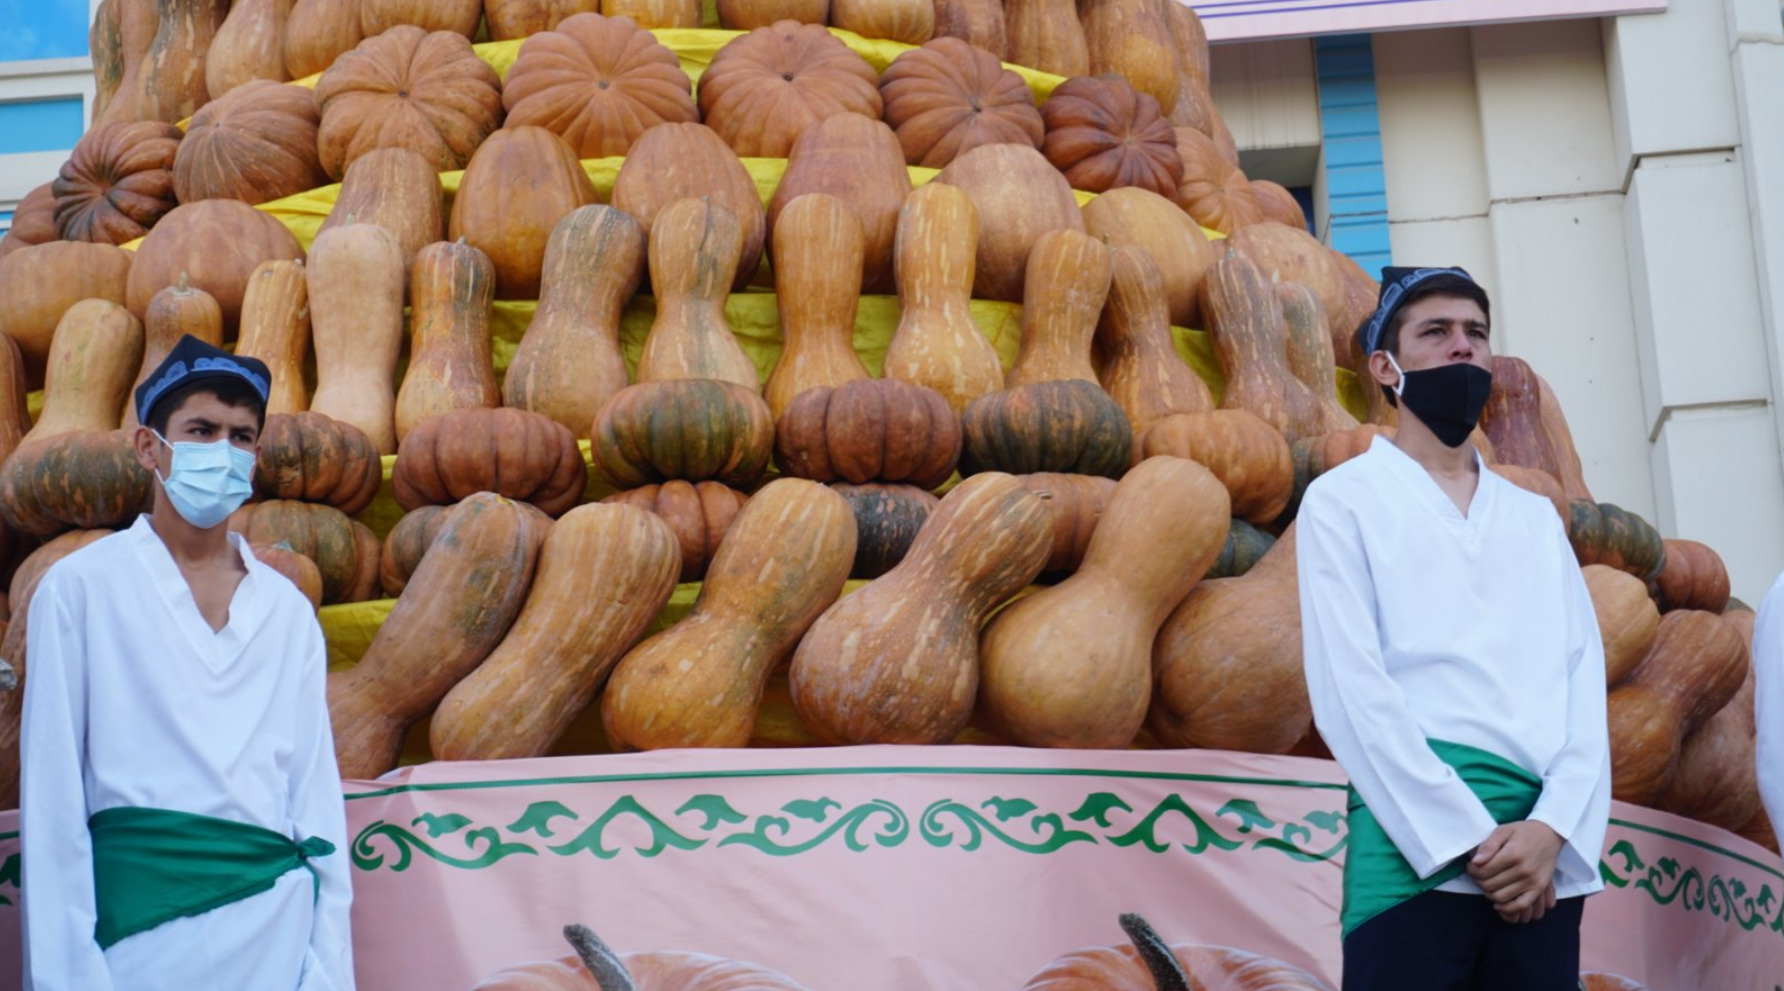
[276,329]
[1071,665]
[319,31]
[655,13]
[1310,357]
[700,682]
[1141,369]
[898,661]
[1133,217]
[858,160]
[1066,286]
[517,186]
[93,363]
[547,669]
[450,366]
[1227,668]
[1695,665]
[355,282]
[937,344]
[170,85]
[249,45]
[1132,38]
[1251,343]
[15,419]
[694,247]
[454,611]
[138,23]
[569,363]
[173,313]
[1045,35]
[1249,456]
[817,282]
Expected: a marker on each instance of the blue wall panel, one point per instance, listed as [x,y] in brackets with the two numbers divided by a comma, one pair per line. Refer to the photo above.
[40,125]
[1356,187]
[40,29]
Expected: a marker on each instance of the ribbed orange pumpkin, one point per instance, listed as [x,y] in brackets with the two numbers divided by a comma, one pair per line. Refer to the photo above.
[344,549]
[312,458]
[117,182]
[595,967]
[216,245]
[1696,664]
[764,89]
[692,429]
[74,481]
[1627,618]
[869,430]
[523,456]
[256,143]
[948,97]
[1213,191]
[1102,133]
[33,221]
[699,513]
[1077,503]
[598,83]
[407,88]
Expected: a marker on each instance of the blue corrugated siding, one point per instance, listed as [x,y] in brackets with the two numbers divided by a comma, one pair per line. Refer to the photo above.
[40,29]
[1356,188]
[40,125]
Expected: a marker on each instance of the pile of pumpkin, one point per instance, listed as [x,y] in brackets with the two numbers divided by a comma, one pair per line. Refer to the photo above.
[1156,507]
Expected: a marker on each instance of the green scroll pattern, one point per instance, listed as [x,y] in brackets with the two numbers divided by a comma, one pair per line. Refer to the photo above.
[1171,825]
[1667,882]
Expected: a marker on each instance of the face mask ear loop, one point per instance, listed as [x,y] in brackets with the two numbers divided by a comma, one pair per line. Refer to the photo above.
[1400,386]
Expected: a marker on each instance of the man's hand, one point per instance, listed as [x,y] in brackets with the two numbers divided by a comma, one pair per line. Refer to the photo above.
[1515,866]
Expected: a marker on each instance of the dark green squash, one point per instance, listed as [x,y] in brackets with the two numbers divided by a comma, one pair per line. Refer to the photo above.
[1245,546]
[74,481]
[1602,533]
[691,429]
[344,549]
[887,518]
[1060,426]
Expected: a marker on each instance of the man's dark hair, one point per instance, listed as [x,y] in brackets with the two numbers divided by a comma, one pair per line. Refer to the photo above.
[1438,285]
[231,392]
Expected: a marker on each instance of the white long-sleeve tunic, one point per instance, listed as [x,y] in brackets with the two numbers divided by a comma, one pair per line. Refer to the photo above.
[1768,699]
[1419,622]
[132,700]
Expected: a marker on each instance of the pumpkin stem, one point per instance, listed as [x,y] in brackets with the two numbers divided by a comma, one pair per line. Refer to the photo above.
[1167,973]
[185,285]
[599,958]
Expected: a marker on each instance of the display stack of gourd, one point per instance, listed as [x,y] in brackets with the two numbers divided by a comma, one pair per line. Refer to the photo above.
[635,304]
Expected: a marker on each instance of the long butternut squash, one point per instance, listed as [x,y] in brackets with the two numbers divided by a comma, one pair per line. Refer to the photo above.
[276,329]
[700,682]
[1067,284]
[450,366]
[694,247]
[817,272]
[937,344]
[93,364]
[170,85]
[355,283]
[898,661]
[454,611]
[1141,369]
[15,420]
[173,313]
[1071,665]
[565,640]
[569,363]
[1310,355]
[398,190]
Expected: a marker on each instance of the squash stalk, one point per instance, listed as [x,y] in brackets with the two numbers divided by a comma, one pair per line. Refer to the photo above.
[1167,973]
[600,959]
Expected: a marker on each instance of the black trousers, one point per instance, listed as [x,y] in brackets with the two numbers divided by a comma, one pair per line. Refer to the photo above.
[1443,941]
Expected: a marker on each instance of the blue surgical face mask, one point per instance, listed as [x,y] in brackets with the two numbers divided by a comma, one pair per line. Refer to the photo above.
[207,482]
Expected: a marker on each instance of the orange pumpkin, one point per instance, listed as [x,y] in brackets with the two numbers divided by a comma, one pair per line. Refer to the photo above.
[1102,133]
[33,221]
[598,83]
[596,967]
[1151,965]
[1213,190]
[948,97]
[117,182]
[407,88]
[523,456]
[256,143]
[765,88]
[699,513]
[1693,577]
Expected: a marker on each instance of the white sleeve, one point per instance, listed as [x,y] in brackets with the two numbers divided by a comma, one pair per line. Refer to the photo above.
[1423,805]
[1576,787]
[1768,699]
[56,890]
[320,811]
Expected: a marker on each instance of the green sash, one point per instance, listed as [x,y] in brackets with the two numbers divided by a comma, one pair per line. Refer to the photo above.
[1377,877]
[152,866]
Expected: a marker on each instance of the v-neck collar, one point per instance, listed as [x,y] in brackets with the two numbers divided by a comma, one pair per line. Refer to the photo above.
[217,648]
[1432,495]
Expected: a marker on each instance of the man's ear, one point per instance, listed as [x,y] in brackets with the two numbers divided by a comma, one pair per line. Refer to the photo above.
[147,446]
[1382,370]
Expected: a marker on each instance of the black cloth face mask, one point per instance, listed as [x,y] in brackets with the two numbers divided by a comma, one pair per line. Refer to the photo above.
[1448,398]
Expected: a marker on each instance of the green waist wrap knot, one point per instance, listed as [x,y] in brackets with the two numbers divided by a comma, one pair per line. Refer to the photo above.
[1377,877]
[152,866]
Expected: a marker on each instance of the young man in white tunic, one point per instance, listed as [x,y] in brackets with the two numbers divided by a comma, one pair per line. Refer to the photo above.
[181,808]
[1456,673]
